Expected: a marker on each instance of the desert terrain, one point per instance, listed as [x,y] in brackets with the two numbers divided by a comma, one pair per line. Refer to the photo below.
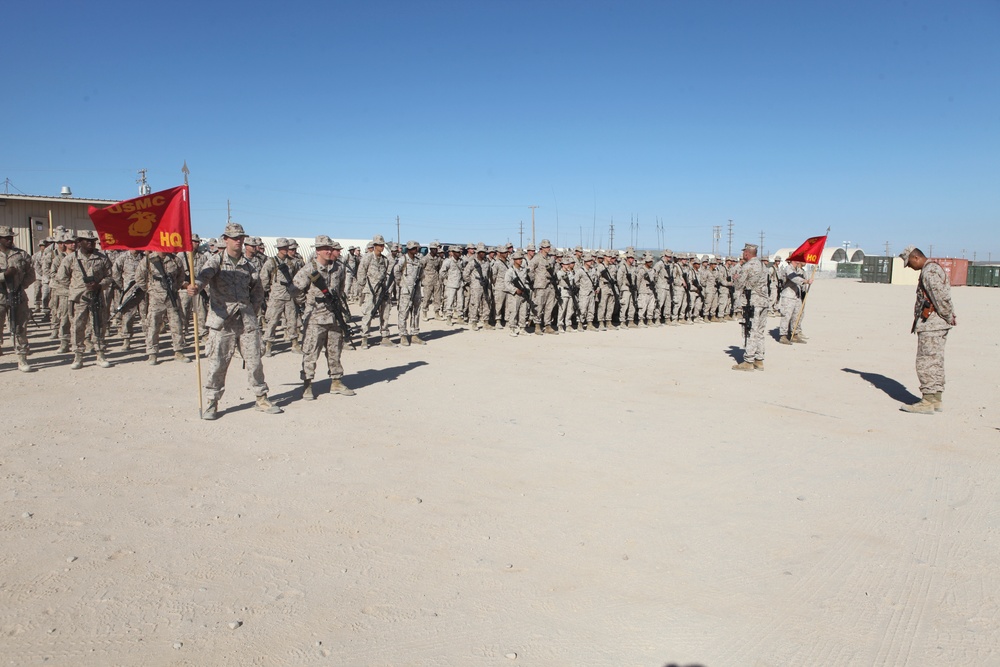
[618,498]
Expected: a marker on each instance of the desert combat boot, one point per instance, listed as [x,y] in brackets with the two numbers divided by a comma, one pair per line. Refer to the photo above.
[926,406]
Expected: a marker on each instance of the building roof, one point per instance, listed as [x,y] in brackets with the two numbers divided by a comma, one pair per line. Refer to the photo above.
[80,200]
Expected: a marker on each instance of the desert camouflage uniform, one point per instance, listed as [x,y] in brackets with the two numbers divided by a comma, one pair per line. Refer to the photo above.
[476,274]
[281,297]
[23,276]
[122,275]
[432,286]
[609,290]
[320,324]
[793,288]
[932,334]
[753,278]
[160,308]
[374,275]
[587,280]
[451,278]
[517,305]
[235,296]
[97,267]
[409,277]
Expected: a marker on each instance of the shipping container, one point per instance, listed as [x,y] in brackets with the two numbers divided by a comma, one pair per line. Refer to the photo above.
[983,275]
[849,270]
[956,268]
[876,270]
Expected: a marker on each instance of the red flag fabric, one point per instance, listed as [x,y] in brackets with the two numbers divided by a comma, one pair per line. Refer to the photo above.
[158,221]
[809,252]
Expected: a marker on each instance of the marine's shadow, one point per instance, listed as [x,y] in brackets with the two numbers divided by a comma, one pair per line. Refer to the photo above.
[892,388]
[440,333]
[372,376]
[736,353]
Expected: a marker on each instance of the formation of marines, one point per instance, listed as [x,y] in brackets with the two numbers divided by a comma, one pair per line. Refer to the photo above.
[240,297]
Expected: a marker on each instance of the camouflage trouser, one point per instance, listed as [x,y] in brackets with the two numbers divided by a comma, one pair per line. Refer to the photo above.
[433,296]
[21,332]
[755,344]
[663,312]
[677,304]
[545,303]
[564,318]
[606,307]
[453,302]
[930,360]
[587,309]
[282,310]
[368,313]
[222,343]
[725,302]
[479,307]
[408,313]
[317,338]
[789,305]
[711,302]
[500,301]
[517,311]
[627,313]
[81,320]
[695,304]
[647,307]
[62,319]
[160,309]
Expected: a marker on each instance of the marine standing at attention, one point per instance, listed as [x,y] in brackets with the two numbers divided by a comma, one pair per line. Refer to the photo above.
[933,318]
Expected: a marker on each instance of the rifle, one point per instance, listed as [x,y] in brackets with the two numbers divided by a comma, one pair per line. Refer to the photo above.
[385,283]
[283,268]
[748,312]
[14,302]
[573,291]
[652,288]
[332,301]
[611,283]
[926,306]
[633,289]
[168,283]
[486,285]
[525,292]
[555,283]
[130,297]
[94,301]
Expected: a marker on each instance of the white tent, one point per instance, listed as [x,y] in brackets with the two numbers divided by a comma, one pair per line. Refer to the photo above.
[830,258]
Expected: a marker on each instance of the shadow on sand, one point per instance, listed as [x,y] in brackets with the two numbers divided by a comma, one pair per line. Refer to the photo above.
[892,388]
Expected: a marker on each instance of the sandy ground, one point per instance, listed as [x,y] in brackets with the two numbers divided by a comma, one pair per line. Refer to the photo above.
[586,499]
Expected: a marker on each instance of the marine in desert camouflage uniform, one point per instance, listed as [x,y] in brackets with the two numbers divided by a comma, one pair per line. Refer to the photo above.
[752,283]
[322,330]
[409,272]
[16,274]
[88,273]
[236,296]
[933,318]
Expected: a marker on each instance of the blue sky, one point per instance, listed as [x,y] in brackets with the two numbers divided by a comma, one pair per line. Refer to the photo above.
[880,120]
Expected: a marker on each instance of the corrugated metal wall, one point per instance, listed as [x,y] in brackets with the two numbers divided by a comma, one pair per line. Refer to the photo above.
[30,219]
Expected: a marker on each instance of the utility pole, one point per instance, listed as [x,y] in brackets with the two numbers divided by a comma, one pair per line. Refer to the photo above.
[520,234]
[229,213]
[533,224]
[886,248]
[397,231]
[716,238]
[144,188]
[730,253]
[611,241]
[930,250]
[761,251]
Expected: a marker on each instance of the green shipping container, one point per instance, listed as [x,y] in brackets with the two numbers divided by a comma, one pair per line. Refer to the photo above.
[849,270]
[876,270]
[983,276]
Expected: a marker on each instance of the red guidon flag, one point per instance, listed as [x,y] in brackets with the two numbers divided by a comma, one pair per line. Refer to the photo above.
[159,221]
[809,252]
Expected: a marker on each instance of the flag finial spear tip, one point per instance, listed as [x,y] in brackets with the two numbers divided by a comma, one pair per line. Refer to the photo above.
[184,169]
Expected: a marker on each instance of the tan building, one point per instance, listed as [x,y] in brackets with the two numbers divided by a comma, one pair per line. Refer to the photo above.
[34,217]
